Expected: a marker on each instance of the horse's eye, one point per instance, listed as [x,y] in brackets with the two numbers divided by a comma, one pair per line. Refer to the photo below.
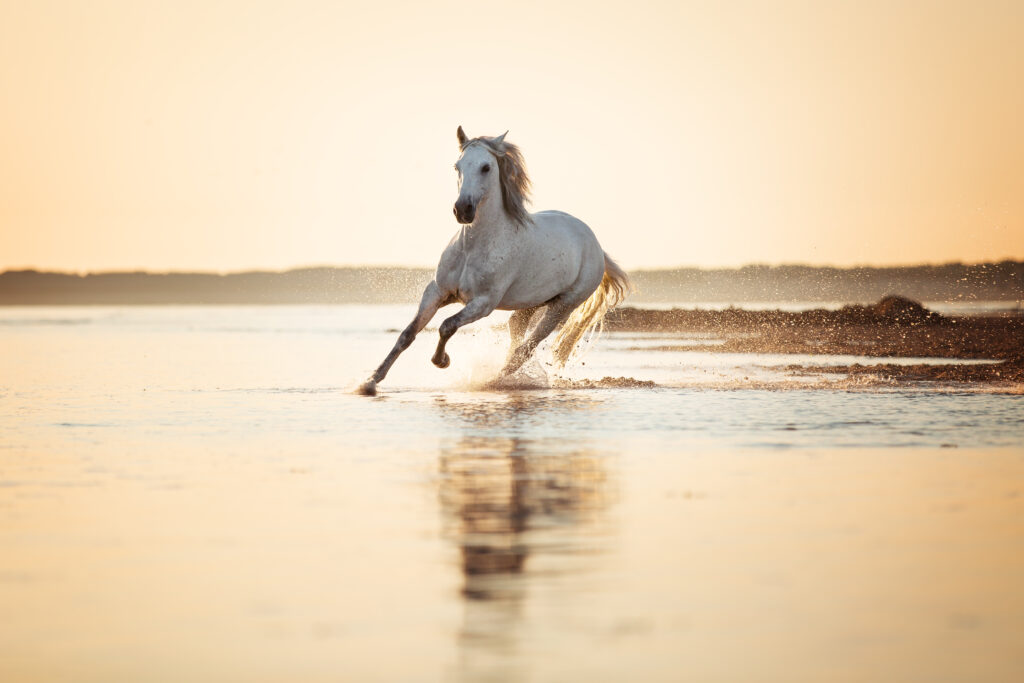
[485,168]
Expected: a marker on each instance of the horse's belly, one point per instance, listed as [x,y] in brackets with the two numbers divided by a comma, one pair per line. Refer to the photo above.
[527,297]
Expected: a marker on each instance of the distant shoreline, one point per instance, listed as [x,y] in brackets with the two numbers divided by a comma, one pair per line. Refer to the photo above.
[1002,281]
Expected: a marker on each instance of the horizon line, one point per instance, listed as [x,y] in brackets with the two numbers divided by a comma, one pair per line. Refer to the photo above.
[239,271]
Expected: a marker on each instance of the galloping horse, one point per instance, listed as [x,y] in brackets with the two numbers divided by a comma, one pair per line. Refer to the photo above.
[505,257]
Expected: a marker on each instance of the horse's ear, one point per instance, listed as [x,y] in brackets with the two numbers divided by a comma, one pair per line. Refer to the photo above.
[461,134]
[500,139]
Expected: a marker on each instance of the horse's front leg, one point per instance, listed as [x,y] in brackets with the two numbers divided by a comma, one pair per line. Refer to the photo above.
[477,308]
[432,300]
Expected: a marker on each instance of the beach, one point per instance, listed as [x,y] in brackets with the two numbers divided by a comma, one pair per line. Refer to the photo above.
[195,493]
[764,417]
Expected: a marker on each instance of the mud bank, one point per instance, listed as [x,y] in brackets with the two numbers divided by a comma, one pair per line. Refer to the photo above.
[894,327]
[1006,372]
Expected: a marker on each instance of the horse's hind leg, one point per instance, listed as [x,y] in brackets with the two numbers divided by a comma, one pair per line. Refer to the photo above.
[517,326]
[554,315]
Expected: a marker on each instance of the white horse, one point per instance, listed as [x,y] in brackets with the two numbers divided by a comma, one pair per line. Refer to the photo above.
[506,258]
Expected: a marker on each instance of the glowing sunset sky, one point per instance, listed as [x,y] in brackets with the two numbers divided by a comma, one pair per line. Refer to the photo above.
[208,135]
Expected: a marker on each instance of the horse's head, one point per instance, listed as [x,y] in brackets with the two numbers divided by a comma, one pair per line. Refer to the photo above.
[489,169]
[478,174]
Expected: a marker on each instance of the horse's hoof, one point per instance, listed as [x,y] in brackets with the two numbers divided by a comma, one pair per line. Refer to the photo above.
[367,388]
[444,362]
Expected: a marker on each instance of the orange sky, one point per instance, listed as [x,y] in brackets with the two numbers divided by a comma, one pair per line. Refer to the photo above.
[211,135]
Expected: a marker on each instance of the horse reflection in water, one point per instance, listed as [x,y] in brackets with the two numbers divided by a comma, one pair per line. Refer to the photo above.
[523,513]
[485,497]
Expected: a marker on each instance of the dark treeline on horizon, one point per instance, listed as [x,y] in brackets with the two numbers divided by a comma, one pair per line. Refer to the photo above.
[1003,281]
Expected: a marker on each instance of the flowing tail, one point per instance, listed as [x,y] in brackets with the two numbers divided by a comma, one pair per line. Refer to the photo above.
[589,316]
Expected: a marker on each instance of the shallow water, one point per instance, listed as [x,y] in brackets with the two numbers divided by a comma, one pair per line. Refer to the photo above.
[192,493]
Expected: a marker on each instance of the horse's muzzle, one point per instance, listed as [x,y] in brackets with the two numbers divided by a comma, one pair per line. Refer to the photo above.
[465,211]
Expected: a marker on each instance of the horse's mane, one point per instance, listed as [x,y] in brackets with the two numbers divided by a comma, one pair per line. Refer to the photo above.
[515,183]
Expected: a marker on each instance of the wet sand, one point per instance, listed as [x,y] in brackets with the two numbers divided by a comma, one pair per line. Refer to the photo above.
[893,328]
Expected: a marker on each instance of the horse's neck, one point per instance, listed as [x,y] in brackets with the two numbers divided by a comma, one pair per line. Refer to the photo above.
[491,214]
[492,227]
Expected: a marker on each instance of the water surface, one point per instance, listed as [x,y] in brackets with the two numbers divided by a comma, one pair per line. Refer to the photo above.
[191,493]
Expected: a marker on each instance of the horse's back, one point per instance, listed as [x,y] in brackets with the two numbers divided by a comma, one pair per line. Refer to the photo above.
[561,230]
